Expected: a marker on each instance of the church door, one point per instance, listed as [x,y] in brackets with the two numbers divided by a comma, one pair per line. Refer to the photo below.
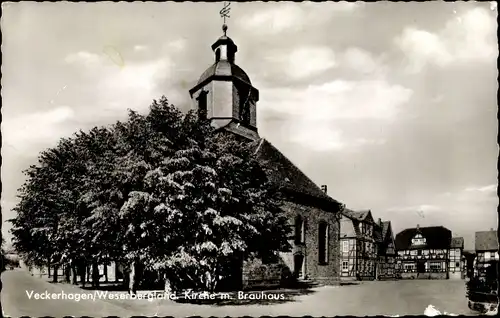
[298,264]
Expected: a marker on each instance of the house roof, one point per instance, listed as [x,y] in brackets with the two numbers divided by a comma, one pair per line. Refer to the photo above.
[378,234]
[360,215]
[437,237]
[385,228]
[457,242]
[486,241]
[286,175]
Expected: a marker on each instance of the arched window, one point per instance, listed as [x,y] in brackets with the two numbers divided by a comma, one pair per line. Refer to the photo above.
[202,105]
[230,56]
[245,101]
[299,230]
[323,238]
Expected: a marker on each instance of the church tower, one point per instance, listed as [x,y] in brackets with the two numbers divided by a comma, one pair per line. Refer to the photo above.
[224,93]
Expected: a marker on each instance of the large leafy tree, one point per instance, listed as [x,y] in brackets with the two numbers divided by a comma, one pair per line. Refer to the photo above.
[163,191]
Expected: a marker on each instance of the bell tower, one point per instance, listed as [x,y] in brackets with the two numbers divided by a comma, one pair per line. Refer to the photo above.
[224,93]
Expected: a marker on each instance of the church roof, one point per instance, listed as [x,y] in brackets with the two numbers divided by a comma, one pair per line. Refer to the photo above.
[224,68]
[285,174]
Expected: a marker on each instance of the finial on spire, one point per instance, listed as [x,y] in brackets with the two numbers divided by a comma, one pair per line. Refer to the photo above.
[224,13]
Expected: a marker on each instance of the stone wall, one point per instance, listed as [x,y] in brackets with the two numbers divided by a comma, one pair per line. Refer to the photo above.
[256,274]
[328,273]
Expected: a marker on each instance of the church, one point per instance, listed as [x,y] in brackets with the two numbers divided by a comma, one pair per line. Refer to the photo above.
[225,95]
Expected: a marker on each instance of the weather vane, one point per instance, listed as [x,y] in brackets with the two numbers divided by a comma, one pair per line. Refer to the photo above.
[224,13]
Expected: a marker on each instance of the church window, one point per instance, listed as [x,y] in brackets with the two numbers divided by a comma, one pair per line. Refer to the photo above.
[245,106]
[217,55]
[323,243]
[299,230]
[202,105]
[230,56]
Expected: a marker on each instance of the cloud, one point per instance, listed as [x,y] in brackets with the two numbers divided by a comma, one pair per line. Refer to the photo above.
[273,20]
[486,189]
[290,17]
[119,83]
[340,99]
[468,37]
[83,57]
[304,62]
[141,48]
[423,208]
[133,85]
[362,61]
[311,113]
[176,45]
[26,132]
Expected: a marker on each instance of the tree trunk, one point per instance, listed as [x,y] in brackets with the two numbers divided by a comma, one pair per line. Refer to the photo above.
[106,273]
[125,275]
[74,276]
[133,277]
[88,270]
[95,274]
[83,273]
[54,277]
[67,272]
[168,287]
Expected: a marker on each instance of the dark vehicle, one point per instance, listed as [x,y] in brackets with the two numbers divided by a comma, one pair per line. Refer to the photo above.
[482,291]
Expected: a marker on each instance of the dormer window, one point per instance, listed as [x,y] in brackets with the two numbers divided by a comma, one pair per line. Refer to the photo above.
[418,240]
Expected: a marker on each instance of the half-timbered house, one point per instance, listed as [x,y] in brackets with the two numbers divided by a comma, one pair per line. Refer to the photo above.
[456,267]
[386,251]
[486,251]
[423,252]
[358,246]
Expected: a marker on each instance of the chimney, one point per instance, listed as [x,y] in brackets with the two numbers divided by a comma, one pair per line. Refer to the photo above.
[418,226]
[323,187]
[491,229]
[379,221]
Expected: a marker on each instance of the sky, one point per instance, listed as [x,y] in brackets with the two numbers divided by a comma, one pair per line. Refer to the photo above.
[391,105]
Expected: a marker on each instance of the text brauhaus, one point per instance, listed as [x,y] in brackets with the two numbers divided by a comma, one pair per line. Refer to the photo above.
[260,296]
